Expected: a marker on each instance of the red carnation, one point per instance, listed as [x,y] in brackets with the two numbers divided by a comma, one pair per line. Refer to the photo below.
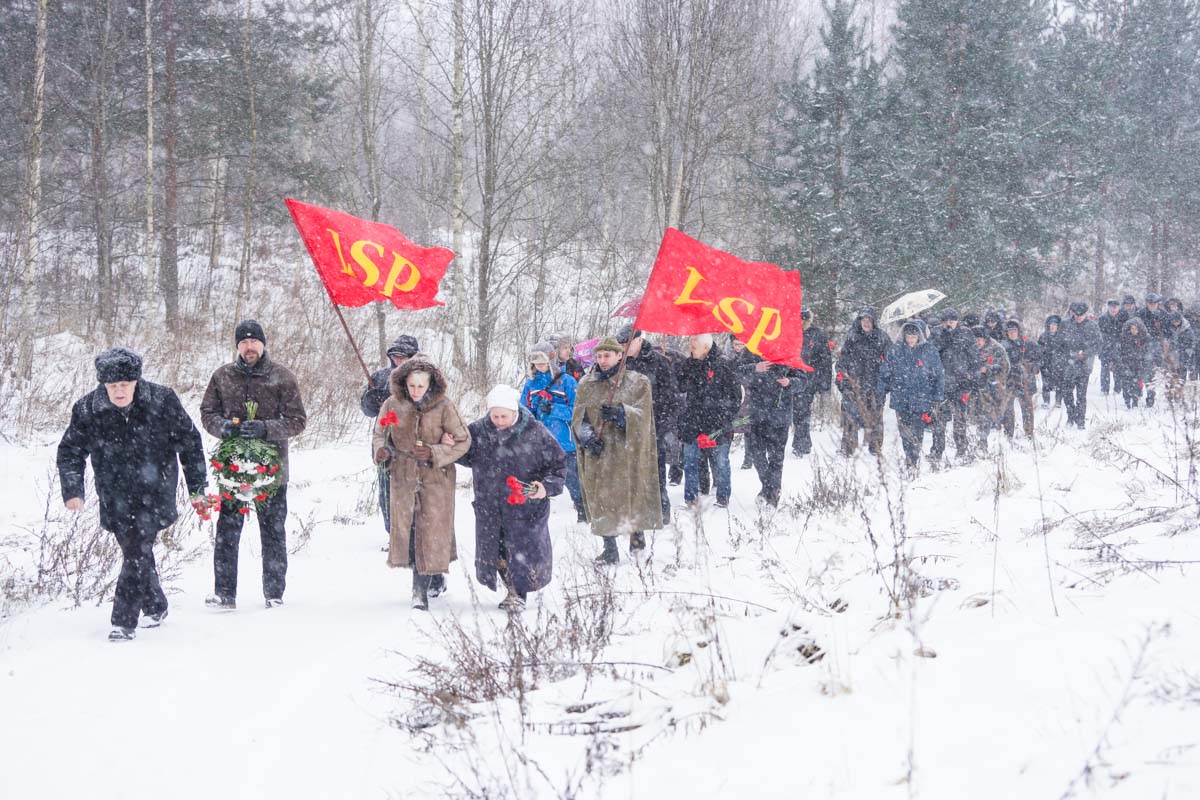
[990,359]
[841,376]
[217,464]
[233,467]
[389,418]
[710,374]
[832,344]
[920,363]
[227,495]
[516,499]
[261,468]
[705,442]
[274,469]
[244,510]
[926,418]
[259,498]
[513,484]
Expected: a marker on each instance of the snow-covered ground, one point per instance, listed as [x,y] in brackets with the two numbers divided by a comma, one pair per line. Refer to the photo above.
[1064,664]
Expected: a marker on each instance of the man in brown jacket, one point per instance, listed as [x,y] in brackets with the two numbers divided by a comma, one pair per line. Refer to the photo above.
[253,377]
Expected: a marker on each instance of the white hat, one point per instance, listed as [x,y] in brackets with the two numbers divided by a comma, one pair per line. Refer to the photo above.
[504,396]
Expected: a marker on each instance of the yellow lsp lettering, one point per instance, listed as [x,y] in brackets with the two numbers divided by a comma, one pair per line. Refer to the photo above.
[685,298]
[769,321]
[399,262]
[728,317]
[371,276]
[337,245]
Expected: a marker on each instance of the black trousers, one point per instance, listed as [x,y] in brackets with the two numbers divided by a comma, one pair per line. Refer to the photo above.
[1108,369]
[801,412]
[271,519]
[770,446]
[950,409]
[138,587]
[912,435]
[1074,393]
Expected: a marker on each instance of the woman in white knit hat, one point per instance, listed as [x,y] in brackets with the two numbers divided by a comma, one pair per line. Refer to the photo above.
[517,465]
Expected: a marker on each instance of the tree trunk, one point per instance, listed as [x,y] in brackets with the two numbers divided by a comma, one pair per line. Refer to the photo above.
[33,202]
[458,192]
[106,301]
[169,271]
[149,255]
[215,234]
[243,292]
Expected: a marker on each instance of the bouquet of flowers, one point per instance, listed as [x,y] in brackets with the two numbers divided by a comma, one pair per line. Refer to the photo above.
[519,492]
[247,470]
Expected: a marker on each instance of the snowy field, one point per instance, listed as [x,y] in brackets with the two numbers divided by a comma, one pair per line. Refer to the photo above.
[1012,628]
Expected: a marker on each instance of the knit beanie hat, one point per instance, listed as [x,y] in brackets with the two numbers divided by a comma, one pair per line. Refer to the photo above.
[249,329]
[117,365]
[504,396]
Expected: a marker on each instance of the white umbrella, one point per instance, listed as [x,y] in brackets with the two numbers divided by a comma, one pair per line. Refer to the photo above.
[910,305]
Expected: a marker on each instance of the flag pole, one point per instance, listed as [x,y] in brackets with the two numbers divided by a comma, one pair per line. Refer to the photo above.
[337,309]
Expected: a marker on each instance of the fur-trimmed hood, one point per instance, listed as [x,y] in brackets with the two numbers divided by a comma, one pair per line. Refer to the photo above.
[399,385]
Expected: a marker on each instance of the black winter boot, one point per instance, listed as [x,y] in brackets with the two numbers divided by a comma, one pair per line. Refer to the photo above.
[610,554]
[420,591]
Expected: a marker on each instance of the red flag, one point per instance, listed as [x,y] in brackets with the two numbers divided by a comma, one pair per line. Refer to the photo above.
[695,288]
[361,261]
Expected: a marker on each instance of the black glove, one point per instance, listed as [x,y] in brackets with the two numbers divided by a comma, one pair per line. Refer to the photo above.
[544,409]
[227,429]
[613,414]
[594,446]
[253,429]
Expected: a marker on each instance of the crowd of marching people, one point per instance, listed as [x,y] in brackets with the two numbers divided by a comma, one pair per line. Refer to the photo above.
[613,432]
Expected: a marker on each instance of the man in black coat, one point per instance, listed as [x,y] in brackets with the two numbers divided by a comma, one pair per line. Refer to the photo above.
[1023,360]
[770,389]
[253,377]
[1082,340]
[1110,324]
[1155,317]
[712,397]
[857,374]
[373,397]
[136,434]
[816,353]
[641,357]
[961,361]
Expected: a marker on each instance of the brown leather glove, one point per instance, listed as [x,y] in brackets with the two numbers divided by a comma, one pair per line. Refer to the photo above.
[382,455]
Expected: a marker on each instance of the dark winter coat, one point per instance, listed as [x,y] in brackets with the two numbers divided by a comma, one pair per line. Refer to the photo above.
[1110,332]
[1082,342]
[858,367]
[992,322]
[1180,347]
[135,452]
[1156,322]
[529,452]
[272,386]
[1023,361]
[571,366]
[913,376]
[817,353]
[1052,353]
[960,359]
[767,402]
[376,392]
[712,396]
[658,370]
[1136,353]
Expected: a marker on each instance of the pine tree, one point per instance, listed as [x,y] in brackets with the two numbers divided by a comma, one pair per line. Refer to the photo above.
[966,218]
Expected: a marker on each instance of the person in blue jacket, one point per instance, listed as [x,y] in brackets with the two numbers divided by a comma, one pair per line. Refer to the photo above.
[550,397]
[912,373]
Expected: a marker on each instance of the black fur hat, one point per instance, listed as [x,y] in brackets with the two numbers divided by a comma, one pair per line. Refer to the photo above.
[118,364]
